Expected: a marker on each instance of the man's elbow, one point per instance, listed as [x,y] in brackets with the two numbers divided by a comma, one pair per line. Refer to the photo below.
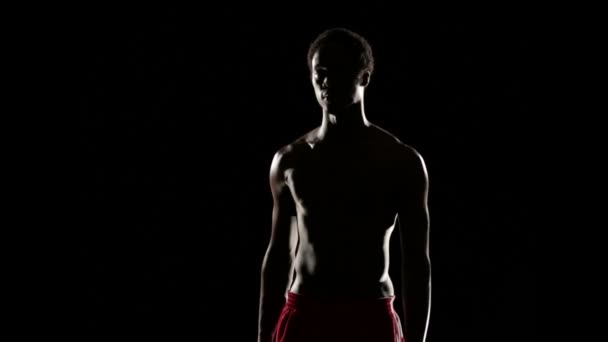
[417,267]
[276,271]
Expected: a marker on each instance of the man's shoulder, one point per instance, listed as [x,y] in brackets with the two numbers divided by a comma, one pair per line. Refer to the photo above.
[404,153]
[301,144]
[286,155]
[391,140]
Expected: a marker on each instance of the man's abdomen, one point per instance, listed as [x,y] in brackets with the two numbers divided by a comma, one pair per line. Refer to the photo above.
[339,271]
[341,287]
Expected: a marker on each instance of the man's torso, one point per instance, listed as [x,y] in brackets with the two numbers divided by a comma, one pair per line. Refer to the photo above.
[344,193]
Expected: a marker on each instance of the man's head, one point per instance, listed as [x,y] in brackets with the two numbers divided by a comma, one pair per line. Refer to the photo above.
[341,63]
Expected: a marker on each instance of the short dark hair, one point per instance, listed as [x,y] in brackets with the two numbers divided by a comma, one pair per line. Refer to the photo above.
[351,41]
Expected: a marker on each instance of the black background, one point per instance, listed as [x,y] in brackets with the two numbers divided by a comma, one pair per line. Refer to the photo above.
[182,111]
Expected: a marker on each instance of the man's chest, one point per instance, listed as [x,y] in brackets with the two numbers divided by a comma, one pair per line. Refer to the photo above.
[350,181]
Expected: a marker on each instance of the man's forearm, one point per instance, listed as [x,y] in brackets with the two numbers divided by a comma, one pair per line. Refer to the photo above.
[276,277]
[416,294]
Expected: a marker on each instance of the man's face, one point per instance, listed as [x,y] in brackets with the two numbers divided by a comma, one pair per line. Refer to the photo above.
[335,79]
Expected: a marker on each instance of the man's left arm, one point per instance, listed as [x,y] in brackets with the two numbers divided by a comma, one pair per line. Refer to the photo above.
[414,236]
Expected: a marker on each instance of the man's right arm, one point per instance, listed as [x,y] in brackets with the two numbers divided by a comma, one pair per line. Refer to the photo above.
[277,267]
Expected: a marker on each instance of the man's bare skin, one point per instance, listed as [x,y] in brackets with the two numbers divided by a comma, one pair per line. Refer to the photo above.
[344,193]
[338,192]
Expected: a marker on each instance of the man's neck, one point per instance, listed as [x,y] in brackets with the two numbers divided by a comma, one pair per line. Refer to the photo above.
[346,123]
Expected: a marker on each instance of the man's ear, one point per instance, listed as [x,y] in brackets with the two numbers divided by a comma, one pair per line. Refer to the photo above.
[365,78]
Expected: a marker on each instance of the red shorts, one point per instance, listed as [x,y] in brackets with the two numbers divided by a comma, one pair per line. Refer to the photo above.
[306,318]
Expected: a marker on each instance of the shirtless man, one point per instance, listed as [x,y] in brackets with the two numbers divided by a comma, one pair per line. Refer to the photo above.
[339,191]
